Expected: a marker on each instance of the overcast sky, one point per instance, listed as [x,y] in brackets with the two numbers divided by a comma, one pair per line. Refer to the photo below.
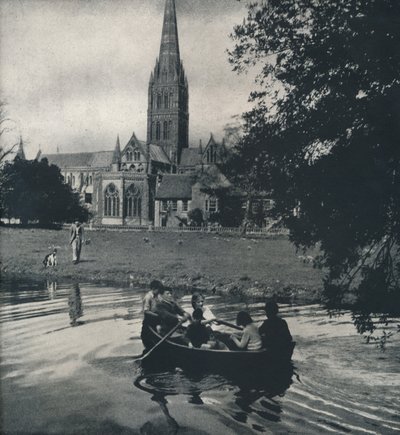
[75,72]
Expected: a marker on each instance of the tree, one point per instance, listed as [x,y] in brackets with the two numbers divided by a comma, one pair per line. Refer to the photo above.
[35,191]
[323,135]
[5,127]
[196,217]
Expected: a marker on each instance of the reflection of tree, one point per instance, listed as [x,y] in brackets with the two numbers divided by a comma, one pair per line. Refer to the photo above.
[75,304]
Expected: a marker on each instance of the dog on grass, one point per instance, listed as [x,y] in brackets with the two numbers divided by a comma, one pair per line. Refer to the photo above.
[51,259]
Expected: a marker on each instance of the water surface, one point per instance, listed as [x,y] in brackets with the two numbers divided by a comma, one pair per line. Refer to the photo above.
[67,367]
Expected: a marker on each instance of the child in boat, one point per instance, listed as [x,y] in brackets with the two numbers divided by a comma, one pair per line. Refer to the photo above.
[169,311]
[198,303]
[149,317]
[200,335]
[251,339]
[274,331]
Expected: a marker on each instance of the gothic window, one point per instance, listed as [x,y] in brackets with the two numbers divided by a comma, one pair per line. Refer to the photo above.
[166,103]
[171,94]
[159,99]
[164,75]
[211,154]
[73,180]
[133,202]
[169,130]
[136,155]
[153,130]
[111,201]
[165,130]
[129,155]
[158,132]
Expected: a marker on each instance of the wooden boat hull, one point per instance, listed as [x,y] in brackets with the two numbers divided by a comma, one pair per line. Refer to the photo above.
[176,354]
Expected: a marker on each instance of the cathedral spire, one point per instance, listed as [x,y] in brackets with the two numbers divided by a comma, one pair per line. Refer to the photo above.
[168,93]
[169,49]
[117,152]
[21,152]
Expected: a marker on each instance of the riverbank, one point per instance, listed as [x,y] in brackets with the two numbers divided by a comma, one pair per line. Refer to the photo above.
[212,263]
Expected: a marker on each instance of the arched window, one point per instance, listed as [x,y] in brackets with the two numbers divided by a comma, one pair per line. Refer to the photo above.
[90,180]
[73,180]
[158,131]
[166,102]
[171,95]
[136,155]
[159,100]
[164,75]
[133,202]
[165,130]
[169,130]
[211,155]
[129,155]
[111,201]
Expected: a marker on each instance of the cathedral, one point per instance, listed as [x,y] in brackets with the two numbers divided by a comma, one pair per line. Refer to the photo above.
[159,180]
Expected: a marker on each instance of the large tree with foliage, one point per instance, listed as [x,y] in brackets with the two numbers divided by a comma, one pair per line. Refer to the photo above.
[324,134]
[35,191]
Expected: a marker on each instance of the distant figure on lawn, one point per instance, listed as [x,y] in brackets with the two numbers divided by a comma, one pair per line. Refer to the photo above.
[274,331]
[76,237]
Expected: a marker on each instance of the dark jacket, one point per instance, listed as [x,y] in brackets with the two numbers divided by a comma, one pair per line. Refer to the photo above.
[275,333]
[168,313]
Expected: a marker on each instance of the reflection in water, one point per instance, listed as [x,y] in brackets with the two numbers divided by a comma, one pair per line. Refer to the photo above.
[51,288]
[75,305]
[247,389]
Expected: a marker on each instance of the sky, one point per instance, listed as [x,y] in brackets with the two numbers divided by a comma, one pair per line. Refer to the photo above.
[74,73]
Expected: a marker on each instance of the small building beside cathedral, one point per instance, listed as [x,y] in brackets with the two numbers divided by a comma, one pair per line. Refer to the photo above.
[159,180]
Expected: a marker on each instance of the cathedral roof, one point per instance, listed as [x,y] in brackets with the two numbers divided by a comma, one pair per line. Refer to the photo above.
[99,159]
[190,157]
[176,186]
[157,154]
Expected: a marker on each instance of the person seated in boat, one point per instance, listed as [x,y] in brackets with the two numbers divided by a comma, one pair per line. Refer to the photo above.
[250,339]
[200,335]
[148,307]
[198,303]
[274,331]
[169,312]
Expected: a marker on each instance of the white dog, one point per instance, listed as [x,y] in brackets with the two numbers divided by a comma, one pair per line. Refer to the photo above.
[51,259]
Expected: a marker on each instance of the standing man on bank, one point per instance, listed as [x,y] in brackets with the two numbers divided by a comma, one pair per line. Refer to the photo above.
[76,237]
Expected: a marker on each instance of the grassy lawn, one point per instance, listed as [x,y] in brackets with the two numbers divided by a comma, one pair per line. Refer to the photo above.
[190,260]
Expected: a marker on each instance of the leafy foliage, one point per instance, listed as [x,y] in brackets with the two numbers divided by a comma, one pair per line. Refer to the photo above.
[35,191]
[196,217]
[323,135]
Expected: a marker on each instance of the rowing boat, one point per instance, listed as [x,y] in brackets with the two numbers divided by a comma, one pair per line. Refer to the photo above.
[178,353]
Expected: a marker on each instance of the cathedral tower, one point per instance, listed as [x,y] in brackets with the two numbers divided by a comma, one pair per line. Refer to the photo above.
[167,115]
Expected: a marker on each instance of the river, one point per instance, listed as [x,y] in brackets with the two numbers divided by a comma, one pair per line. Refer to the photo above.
[67,367]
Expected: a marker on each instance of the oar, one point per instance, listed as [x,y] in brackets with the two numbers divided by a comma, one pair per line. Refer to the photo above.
[160,342]
[231,325]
